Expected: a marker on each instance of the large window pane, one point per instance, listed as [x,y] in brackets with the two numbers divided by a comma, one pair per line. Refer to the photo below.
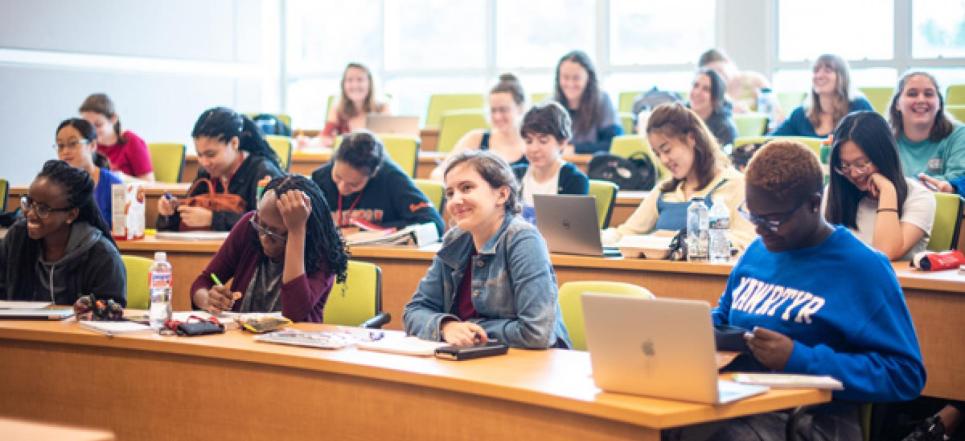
[852,29]
[410,96]
[938,28]
[536,33]
[307,100]
[321,38]
[427,34]
[643,32]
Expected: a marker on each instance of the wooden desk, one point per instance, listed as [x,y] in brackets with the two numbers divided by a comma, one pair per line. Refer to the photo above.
[187,260]
[152,192]
[151,387]
[21,430]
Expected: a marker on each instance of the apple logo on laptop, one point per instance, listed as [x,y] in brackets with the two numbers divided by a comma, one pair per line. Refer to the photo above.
[566,224]
[647,347]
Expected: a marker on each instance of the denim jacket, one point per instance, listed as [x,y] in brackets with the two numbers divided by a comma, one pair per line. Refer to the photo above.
[513,286]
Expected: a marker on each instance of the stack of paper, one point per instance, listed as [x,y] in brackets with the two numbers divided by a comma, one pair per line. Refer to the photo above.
[113,328]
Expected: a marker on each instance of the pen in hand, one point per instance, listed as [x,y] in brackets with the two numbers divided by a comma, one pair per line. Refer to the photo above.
[231,296]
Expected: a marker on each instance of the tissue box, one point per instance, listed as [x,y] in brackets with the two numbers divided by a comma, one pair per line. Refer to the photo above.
[127,211]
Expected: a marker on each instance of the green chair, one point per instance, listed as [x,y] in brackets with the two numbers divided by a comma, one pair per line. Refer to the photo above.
[282,145]
[812,143]
[790,100]
[332,99]
[625,100]
[955,95]
[879,97]
[358,300]
[750,124]
[626,121]
[539,97]
[404,150]
[441,103]
[626,145]
[456,123]
[572,306]
[4,192]
[434,191]
[957,112]
[138,272]
[167,159]
[605,193]
[948,220]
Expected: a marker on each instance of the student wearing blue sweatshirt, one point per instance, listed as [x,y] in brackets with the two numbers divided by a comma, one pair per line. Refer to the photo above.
[830,100]
[802,290]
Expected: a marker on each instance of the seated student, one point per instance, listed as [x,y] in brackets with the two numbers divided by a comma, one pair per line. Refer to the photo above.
[708,100]
[507,102]
[546,129]
[61,249]
[931,144]
[698,168]
[493,278]
[361,182]
[127,152]
[595,121]
[743,86]
[235,156]
[285,256]
[830,100]
[77,145]
[816,301]
[356,102]
[869,194]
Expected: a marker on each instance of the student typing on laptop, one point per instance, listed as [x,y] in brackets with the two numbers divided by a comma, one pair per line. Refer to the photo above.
[817,301]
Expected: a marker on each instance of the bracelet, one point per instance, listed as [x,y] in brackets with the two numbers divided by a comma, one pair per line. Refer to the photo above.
[893,210]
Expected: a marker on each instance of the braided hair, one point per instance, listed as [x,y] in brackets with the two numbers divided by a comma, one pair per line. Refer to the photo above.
[323,240]
[222,123]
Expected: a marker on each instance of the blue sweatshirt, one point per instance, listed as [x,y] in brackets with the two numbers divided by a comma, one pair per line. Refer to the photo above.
[841,305]
[102,194]
[798,123]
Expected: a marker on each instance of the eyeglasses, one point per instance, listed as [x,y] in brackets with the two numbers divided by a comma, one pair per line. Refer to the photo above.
[861,168]
[71,145]
[771,222]
[263,231]
[42,211]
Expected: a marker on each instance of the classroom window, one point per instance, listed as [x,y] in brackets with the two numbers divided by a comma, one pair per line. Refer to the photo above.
[307,100]
[851,29]
[410,96]
[938,29]
[325,36]
[433,34]
[536,33]
[650,33]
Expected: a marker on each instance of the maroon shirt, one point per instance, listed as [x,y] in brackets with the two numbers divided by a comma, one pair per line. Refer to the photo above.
[464,308]
[130,157]
[302,299]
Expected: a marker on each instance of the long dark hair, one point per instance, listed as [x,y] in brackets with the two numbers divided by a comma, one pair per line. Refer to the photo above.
[940,129]
[676,121]
[869,131]
[79,187]
[718,89]
[589,112]
[86,130]
[222,123]
[102,104]
[324,246]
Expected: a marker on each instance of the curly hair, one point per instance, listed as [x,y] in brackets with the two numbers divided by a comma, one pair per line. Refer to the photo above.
[323,241]
[787,169]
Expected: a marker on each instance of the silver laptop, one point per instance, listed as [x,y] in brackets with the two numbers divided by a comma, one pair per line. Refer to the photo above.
[569,225]
[656,347]
[36,314]
[394,125]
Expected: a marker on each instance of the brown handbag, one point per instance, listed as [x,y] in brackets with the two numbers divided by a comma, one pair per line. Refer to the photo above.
[212,201]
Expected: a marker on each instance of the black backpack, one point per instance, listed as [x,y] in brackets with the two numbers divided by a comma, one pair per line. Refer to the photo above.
[271,125]
[634,173]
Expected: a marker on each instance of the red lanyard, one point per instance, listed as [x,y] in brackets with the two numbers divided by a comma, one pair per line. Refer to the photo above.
[338,214]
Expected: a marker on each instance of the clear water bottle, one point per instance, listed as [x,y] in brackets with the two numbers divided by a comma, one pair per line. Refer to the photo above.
[719,222]
[765,106]
[160,283]
[697,230]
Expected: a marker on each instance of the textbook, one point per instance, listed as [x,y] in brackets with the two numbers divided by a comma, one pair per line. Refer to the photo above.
[419,235]
[17,304]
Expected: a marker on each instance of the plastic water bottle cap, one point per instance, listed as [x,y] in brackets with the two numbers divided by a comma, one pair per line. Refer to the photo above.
[160,256]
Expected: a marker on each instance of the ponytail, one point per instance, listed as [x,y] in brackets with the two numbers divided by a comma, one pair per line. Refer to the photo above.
[222,123]
[102,104]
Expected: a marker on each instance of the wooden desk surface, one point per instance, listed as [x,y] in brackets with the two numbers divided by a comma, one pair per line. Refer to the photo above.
[22,430]
[524,393]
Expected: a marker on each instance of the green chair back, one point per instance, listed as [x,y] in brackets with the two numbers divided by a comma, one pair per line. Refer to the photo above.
[404,150]
[879,97]
[605,193]
[456,123]
[790,100]
[167,159]
[138,290]
[955,95]
[812,143]
[750,124]
[282,145]
[332,99]
[441,103]
[4,193]
[957,112]
[435,191]
[948,220]
[572,306]
[626,145]
[539,97]
[625,100]
[626,121]
[358,299]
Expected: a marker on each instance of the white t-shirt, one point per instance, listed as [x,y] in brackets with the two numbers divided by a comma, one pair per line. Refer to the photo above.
[918,210]
[531,187]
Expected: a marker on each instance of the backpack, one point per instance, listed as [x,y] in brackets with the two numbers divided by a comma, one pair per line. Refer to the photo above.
[741,156]
[271,125]
[634,173]
[651,99]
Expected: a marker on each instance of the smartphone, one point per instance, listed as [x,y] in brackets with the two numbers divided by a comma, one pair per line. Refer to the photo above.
[730,338]
[469,352]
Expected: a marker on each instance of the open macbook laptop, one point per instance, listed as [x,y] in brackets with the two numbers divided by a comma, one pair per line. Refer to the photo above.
[390,124]
[569,224]
[656,347]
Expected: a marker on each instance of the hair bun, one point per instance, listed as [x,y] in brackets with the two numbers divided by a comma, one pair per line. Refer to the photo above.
[508,78]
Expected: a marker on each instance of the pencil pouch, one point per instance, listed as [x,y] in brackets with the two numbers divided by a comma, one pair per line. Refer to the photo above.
[929,261]
[195,325]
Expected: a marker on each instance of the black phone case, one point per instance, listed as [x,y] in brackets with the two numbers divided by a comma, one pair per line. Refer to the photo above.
[470,352]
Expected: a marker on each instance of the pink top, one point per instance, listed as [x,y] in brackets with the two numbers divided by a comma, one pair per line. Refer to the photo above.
[131,158]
